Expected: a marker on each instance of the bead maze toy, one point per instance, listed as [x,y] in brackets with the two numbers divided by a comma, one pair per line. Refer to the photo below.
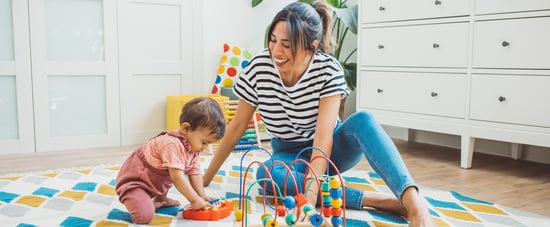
[251,137]
[221,208]
[295,209]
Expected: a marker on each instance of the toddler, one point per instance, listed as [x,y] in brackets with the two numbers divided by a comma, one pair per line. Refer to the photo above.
[162,162]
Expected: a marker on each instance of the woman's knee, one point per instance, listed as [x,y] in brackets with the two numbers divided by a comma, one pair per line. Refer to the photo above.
[361,116]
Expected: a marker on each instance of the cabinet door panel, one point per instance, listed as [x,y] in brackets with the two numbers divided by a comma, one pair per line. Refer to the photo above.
[16,117]
[512,44]
[393,10]
[155,62]
[509,6]
[424,93]
[434,45]
[511,99]
[75,74]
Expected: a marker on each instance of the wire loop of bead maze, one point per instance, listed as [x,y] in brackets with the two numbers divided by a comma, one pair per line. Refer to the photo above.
[332,191]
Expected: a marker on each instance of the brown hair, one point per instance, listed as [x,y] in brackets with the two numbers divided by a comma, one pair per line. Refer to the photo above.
[204,112]
[307,23]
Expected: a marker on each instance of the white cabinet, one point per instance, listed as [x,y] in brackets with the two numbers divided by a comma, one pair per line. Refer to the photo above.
[476,71]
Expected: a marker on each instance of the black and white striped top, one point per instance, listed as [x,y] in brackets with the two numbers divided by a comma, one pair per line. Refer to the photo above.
[290,113]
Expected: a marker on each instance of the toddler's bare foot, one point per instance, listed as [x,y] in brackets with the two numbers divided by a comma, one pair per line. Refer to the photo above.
[163,201]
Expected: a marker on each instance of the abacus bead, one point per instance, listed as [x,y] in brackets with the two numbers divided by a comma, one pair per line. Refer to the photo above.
[289,219]
[289,202]
[336,203]
[336,221]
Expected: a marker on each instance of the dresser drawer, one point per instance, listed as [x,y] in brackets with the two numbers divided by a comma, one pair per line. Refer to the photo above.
[394,10]
[413,92]
[521,100]
[513,44]
[508,6]
[435,45]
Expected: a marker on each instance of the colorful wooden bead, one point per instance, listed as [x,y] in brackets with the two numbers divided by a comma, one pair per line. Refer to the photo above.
[316,219]
[281,211]
[290,219]
[300,199]
[308,207]
[238,214]
[334,182]
[289,202]
[336,221]
[336,203]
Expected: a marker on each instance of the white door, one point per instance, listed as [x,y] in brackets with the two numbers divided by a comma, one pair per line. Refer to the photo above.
[16,117]
[155,43]
[74,74]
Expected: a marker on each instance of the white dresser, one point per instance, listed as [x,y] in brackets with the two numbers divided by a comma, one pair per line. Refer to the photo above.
[473,68]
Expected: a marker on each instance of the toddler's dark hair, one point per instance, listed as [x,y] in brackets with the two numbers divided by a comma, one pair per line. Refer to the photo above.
[204,112]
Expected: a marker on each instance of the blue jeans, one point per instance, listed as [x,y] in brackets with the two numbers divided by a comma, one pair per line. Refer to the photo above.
[360,134]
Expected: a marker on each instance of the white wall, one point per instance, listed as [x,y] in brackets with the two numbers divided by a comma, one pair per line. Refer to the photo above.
[235,22]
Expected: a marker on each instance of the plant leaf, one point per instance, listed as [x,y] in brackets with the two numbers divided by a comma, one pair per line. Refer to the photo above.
[256,2]
[350,75]
[334,3]
[348,16]
[307,1]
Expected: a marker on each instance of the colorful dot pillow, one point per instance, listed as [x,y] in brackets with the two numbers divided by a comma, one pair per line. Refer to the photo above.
[233,61]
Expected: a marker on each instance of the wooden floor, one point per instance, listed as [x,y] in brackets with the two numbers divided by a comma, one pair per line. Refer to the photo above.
[517,184]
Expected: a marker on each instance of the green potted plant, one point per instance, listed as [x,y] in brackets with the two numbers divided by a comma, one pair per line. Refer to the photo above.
[345,21]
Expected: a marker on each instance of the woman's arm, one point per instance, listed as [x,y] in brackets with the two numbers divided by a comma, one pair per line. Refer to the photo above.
[326,121]
[233,134]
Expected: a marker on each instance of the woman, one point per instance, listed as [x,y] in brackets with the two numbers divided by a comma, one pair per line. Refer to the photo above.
[297,87]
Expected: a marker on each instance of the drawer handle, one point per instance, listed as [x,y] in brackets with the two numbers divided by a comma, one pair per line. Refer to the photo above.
[501,98]
[433,94]
[379,90]
[435,45]
[382,8]
[505,43]
[437,2]
[380,46]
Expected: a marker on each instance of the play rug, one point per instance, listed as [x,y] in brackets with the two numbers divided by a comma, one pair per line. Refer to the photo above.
[86,197]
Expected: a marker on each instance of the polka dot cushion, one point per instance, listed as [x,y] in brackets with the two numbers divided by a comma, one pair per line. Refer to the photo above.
[233,61]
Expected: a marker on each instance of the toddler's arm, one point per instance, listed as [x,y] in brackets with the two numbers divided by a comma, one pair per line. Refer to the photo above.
[197,184]
[186,189]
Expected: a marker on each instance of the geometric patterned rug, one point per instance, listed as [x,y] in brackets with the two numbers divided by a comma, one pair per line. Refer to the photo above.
[86,197]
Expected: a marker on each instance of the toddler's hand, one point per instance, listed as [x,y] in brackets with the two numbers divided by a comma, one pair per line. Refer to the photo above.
[199,203]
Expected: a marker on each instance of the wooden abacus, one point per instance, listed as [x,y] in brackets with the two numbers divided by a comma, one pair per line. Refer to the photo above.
[251,137]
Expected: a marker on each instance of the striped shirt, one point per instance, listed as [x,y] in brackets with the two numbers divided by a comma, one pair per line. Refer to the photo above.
[290,113]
